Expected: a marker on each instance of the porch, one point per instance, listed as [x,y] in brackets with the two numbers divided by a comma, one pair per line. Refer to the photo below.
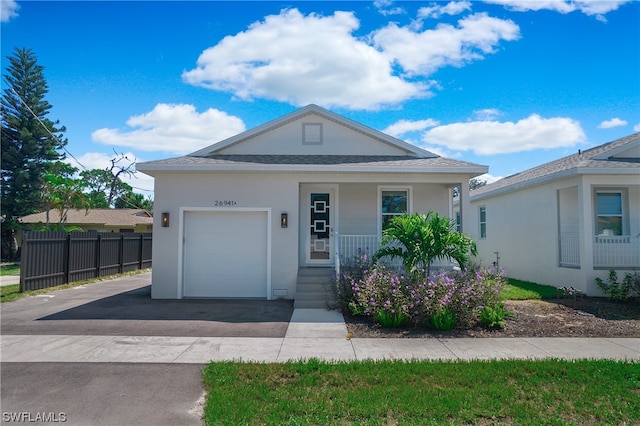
[609,251]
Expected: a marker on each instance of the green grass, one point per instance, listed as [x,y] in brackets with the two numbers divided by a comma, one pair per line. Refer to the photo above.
[524,290]
[522,392]
[12,292]
[9,269]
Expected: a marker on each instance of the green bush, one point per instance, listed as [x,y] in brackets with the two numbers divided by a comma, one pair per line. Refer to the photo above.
[443,320]
[619,291]
[494,317]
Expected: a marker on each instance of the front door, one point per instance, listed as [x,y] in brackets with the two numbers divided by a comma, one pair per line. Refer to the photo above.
[320,208]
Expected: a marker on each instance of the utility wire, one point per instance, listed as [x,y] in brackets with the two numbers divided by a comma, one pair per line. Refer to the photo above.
[60,142]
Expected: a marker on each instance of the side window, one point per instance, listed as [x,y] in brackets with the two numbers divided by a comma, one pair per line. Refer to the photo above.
[483,221]
[609,213]
[393,202]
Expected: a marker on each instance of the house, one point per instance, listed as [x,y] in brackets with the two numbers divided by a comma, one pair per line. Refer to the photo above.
[566,222]
[100,220]
[254,215]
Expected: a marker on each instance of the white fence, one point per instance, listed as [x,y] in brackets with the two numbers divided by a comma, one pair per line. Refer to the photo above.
[569,248]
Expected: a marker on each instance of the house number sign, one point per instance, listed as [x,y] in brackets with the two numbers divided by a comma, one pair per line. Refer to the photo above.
[224,203]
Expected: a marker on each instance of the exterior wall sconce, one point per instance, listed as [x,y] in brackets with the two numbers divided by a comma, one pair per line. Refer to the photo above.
[165,220]
[284,220]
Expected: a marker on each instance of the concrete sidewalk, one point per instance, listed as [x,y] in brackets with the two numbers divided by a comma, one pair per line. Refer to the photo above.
[312,333]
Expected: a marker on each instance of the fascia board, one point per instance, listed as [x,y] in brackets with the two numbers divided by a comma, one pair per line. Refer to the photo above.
[309,169]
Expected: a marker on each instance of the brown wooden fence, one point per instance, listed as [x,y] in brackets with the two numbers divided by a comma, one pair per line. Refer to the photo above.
[54,258]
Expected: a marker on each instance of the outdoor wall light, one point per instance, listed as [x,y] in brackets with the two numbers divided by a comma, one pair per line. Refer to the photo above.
[165,220]
[284,220]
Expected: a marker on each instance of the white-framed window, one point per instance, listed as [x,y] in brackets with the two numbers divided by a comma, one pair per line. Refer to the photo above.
[610,207]
[482,215]
[392,201]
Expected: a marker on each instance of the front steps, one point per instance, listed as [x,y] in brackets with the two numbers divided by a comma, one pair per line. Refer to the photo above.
[315,289]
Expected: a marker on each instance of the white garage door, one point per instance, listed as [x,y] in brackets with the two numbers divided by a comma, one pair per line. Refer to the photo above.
[225,254]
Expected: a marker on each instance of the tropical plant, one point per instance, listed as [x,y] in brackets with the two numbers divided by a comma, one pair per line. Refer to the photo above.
[621,291]
[420,239]
[494,316]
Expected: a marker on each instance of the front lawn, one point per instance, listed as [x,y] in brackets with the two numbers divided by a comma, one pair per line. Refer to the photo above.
[525,290]
[10,269]
[523,392]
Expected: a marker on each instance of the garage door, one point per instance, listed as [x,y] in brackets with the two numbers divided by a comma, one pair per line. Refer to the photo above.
[225,254]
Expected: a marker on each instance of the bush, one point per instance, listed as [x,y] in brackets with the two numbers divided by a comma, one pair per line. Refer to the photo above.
[620,291]
[442,300]
[494,317]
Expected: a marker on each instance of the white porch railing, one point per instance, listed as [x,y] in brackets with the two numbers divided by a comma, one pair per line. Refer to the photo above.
[618,251]
[569,249]
[350,246]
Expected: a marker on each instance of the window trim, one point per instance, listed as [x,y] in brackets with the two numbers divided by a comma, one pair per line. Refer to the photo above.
[381,189]
[482,231]
[317,132]
[624,206]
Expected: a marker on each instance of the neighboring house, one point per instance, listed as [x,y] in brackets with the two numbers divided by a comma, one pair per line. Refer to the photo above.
[566,222]
[100,220]
[252,215]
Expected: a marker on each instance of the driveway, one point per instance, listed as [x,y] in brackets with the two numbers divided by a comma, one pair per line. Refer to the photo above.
[123,307]
[118,393]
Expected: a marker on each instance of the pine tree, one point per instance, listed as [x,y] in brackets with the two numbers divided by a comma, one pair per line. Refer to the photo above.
[28,143]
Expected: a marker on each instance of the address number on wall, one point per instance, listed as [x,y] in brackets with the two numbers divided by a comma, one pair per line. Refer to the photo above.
[224,203]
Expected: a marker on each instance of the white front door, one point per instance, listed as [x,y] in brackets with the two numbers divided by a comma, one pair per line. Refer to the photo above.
[319,225]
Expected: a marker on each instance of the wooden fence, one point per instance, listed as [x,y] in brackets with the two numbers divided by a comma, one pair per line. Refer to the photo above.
[54,258]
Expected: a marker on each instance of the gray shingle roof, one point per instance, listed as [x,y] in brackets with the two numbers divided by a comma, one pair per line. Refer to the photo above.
[321,162]
[593,159]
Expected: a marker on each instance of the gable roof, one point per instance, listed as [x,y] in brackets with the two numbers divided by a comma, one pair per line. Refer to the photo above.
[608,158]
[408,148]
[105,217]
[411,159]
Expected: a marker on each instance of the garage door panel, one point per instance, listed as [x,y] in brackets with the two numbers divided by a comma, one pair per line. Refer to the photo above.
[225,254]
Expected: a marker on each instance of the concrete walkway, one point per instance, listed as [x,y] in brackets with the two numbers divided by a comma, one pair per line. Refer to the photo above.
[312,333]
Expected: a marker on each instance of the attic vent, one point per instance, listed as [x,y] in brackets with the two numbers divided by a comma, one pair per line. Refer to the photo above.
[312,133]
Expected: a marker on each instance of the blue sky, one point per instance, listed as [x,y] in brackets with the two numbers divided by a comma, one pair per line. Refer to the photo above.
[506,83]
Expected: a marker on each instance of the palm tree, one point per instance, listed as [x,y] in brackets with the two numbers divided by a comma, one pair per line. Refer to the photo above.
[419,239]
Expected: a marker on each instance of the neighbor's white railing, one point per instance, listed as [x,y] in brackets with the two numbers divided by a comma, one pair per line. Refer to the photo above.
[569,249]
[616,251]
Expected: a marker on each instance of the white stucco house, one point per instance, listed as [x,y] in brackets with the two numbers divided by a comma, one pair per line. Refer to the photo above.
[566,222]
[253,215]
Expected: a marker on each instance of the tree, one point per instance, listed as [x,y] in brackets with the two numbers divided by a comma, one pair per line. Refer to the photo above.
[134,201]
[30,142]
[419,239]
[62,192]
[105,186]
[474,183]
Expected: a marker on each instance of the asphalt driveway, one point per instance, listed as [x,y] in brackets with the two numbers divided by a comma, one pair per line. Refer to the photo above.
[123,307]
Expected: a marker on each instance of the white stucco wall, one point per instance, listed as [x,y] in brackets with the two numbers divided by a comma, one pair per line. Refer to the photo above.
[523,226]
[279,192]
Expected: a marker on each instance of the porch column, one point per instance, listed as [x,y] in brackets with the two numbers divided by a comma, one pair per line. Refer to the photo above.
[585,226]
[465,208]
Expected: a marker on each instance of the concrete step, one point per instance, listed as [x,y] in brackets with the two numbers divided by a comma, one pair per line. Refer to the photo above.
[314,288]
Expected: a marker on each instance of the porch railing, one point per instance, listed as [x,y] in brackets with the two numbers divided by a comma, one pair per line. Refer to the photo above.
[349,246]
[569,249]
[615,251]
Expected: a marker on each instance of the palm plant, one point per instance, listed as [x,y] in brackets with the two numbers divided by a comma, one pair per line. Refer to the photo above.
[419,239]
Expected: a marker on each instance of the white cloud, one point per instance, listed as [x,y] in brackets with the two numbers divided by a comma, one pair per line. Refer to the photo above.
[588,7]
[436,11]
[489,178]
[488,114]
[141,183]
[422,53]
[8,10]
[177,129]
[403,127]
[614,122]
[636,128]
[493,137]
[303,59]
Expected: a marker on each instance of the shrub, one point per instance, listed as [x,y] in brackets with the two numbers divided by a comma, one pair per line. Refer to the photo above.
[494,317]
[619,291]
[443,320]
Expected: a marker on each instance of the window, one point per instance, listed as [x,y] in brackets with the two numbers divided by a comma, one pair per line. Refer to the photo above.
[393,202]
[483,222]
[609,218]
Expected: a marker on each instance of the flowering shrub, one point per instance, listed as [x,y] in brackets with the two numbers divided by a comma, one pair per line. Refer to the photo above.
[390,298]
